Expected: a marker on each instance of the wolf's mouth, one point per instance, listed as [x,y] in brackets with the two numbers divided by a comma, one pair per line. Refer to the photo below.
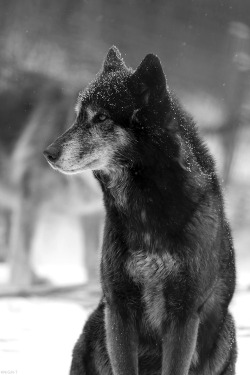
[65,170]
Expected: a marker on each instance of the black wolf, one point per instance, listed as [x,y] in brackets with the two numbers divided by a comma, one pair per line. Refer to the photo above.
[167,268]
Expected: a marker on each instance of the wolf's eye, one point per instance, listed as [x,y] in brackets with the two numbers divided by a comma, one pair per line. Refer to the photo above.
[101,117]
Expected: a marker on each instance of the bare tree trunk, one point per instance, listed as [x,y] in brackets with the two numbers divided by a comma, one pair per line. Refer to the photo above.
[92,226]
[21,235]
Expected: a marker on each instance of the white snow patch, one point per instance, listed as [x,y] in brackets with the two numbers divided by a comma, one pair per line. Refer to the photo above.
[37,337]
[58,249]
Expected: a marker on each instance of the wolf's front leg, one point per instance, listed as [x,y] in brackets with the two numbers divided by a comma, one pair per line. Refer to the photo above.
[178,347]
[121,343]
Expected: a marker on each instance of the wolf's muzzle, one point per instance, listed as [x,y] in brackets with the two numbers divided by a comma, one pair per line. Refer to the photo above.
[52,153]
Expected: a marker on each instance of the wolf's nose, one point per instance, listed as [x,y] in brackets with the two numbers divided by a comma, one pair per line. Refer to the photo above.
[52,153]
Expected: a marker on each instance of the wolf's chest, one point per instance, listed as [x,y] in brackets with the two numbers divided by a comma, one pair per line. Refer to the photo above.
[151,271]
[149,268]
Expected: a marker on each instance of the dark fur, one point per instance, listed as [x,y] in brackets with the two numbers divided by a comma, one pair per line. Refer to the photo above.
[167,268]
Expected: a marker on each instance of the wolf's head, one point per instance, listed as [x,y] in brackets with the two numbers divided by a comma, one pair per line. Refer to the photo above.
[116,115]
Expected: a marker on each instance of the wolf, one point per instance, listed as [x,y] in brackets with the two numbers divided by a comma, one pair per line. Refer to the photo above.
[167,264]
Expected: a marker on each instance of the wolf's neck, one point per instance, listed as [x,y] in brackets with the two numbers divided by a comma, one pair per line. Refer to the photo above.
[139,194]
[118,184]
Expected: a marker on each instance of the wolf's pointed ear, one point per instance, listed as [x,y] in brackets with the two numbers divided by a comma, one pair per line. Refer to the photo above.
[149,79]
[113,60]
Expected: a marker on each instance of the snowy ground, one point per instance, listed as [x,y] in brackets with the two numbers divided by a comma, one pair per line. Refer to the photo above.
[241,311]
[37,335]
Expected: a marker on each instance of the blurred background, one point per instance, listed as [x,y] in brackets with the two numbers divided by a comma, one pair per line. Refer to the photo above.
[50,224]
